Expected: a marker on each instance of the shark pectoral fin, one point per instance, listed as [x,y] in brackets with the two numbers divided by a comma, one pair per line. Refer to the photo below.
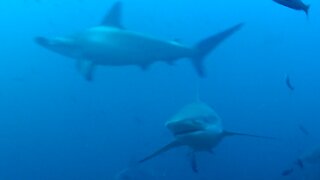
[229,133]
[194,164]
[204,47]
[113,17]
[86,68]
[161,150]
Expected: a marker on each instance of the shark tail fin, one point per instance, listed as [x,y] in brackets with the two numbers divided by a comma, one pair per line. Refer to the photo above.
[161,150]
[204,47]
[229,133]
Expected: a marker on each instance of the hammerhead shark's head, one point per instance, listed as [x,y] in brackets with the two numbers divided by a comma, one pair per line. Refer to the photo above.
[109,44]
[197,126]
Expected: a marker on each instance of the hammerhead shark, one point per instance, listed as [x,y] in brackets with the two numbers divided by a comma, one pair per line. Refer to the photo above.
[198,127]
[110,44]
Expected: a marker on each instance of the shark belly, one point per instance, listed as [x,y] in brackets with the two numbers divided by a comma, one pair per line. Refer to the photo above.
[110,46]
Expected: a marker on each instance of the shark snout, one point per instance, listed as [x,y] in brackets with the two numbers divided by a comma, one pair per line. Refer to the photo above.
[62,45]
[185,127]
[42,41]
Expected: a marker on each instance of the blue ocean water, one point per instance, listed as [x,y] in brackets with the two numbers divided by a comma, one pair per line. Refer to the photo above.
[56,125]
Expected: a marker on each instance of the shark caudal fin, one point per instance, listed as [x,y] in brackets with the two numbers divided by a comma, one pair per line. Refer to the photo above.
[161,150]
[229,133]
[204,47]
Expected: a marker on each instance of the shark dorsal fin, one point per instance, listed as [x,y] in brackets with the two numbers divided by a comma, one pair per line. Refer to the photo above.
[113,17]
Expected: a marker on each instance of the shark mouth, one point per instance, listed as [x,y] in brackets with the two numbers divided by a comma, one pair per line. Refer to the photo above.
[187,131]
[186,126]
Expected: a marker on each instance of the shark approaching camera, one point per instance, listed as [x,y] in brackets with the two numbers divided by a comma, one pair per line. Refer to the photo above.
[198,127]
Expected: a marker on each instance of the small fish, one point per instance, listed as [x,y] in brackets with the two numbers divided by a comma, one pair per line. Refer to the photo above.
[295,4]
[288,83]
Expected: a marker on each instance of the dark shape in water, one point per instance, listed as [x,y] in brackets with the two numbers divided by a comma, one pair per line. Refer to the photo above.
[300,163]
[288,83]
[311,156]
[294,4]
[304,130]
[287,172]
[194,164]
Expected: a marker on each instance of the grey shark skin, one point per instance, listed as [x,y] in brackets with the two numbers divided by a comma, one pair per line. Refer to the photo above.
[198,127]
[294,4]
[109,44]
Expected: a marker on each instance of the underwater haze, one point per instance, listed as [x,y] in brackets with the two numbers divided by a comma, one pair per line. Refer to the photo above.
[56,125]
